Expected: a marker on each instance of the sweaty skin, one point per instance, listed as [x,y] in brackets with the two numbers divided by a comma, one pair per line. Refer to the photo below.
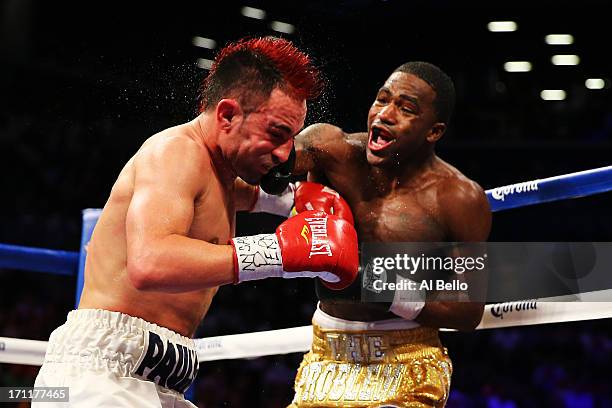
[159,249]
[403,192]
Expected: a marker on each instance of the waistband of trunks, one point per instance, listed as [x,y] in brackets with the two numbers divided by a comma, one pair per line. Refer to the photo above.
[389,346]
[326,321]
[122,322]
[128,346]
[372,342]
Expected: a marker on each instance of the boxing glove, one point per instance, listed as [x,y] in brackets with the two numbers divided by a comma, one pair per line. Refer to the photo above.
[277,179]
[315,196]
[311,244]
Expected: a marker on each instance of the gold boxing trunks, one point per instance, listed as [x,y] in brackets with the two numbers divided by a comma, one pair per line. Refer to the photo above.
[389,363]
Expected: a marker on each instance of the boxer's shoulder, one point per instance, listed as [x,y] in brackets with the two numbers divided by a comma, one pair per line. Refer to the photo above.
[461,192]
[176,145]
[321,137]
[324,134]
[357,141]
[174,159]
[327,145]
[456,186]
[463,206]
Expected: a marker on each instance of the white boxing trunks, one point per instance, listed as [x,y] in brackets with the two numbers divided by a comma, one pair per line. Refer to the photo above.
[110,359]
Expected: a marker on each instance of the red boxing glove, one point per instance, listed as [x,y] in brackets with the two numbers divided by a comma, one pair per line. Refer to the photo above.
[315,196]
[311,244]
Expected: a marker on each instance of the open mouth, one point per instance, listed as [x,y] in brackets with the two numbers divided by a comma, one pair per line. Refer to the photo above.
[379,139]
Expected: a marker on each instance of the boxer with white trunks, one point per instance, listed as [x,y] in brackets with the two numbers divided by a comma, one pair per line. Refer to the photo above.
[164,241]
[111,359]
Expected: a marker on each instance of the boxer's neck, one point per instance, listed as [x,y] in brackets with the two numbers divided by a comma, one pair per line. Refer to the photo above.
[209,136]
[404,171]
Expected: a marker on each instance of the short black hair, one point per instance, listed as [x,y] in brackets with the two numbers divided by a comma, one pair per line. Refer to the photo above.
[439,81]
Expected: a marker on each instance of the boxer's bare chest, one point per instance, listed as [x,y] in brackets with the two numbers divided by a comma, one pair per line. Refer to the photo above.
[398,217]
[408,213]
[214,222]
[214,216]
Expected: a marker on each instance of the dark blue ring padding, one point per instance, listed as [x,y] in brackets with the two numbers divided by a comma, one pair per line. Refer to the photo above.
[39,259]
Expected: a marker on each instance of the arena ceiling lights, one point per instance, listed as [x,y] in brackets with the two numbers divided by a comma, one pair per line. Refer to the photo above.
[281,27]
[553,94]
[204,42]
[559,39]
[253,12]
[565,60]
[517,66]
[502,26]
[595,83]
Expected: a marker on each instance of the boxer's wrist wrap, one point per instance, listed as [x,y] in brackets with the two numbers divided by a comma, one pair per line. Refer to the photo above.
[257,257]
[407,303]
[275,204]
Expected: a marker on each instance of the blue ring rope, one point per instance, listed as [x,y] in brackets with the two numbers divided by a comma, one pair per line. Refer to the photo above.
[39,259]
[574,185]
[556,188]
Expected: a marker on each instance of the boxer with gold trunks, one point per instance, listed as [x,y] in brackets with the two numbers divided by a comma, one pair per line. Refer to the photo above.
[392,185]
[356,364]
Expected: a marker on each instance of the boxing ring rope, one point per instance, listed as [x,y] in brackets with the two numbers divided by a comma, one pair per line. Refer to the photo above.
[298,339]
[38,259]
[567,186]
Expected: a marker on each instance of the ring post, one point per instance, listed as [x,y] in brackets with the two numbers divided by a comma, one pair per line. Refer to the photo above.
[90,217]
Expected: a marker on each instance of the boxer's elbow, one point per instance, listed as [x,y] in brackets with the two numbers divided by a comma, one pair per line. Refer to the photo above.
[462,316]
[471,317]
[467,326]
[143,271]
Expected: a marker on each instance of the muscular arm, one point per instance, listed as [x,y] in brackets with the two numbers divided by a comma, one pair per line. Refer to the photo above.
[317,147]
[160,256]
[468,219]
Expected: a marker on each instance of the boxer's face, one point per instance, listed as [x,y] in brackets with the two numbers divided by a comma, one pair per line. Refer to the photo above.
[265,137]
[401,119]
